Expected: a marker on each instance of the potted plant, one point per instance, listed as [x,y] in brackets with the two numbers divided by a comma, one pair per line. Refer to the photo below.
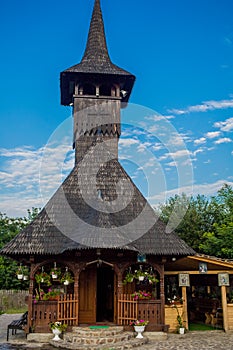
[181,327]
[43,277]
[152,278]
[140,275]
[19,273]
[25,273]
[51,295]
[139,327]
[141,295]
[175,300]
[67,278]
[55,272]
[57,328]
[129,277]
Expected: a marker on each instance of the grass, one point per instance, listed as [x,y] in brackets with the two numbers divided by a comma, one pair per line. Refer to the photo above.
[21,310]
[201,327]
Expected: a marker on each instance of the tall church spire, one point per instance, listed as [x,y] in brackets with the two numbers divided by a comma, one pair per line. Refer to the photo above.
[96,47]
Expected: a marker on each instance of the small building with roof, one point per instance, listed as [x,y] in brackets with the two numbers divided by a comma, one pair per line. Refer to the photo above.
[97,252]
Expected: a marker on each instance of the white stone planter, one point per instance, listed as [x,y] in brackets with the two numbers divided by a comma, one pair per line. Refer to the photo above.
[56,333]
[181,330]
[139,330]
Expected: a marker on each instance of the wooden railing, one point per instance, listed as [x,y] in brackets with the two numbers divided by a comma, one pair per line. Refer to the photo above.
[150,310]
[68,309]
[127,309]
[45,311]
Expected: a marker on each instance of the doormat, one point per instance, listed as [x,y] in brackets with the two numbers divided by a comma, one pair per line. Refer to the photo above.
[98,327]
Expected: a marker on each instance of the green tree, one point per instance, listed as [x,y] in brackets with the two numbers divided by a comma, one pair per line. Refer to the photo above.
[9,228]
[206,224]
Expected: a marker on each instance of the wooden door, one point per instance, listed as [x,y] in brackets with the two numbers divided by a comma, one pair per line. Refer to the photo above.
[87,296]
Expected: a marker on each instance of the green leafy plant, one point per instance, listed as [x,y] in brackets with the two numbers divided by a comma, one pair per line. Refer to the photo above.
[129,277]
[67,278]
[179,318]
[58,325]
[55,272]
[43,277]
[42,295]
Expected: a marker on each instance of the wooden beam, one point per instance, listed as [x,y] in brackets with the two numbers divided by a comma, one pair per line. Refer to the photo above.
[210,272]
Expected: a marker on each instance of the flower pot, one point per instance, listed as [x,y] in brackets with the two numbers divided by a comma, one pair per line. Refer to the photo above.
[54,276]
[66,282]
[56,333]
[141,278]
[181,330]
[139,330]
[25,278]
[20,276]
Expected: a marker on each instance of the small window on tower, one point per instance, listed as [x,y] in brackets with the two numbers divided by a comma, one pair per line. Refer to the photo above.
[105,90]
[89,89]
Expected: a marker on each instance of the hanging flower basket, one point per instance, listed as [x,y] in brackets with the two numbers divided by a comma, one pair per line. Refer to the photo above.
[67,278]
[55,273]
[43,278]
[19,273]
[129,277]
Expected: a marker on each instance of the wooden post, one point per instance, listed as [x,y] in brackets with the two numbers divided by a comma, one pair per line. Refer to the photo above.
[185,309]
[224,308]
[162,294]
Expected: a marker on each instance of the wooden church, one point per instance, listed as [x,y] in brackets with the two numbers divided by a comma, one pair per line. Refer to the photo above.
[98,230]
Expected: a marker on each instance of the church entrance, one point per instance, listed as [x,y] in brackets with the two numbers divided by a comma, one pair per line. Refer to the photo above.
[105,294]
[96,297]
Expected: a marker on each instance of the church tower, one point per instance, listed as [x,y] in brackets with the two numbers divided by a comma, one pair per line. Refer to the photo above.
[97,89]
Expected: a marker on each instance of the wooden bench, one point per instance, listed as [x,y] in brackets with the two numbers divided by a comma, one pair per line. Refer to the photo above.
[17,324]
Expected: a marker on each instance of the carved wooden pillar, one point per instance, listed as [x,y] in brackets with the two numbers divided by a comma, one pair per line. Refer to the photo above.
[162,295]
[118,289]
[30,297]
[76,293]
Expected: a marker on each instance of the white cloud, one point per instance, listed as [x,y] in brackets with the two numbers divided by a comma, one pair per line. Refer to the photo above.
[226,125]
[128,142]
[200,141]
[205,106]
[25,172]
[205,189]
[223,140]
[212,134]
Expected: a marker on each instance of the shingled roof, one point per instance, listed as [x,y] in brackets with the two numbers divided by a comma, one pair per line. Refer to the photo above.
[96,60]
[70,220]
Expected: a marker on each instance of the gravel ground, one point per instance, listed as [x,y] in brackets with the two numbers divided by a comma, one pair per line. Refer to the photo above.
[206,340]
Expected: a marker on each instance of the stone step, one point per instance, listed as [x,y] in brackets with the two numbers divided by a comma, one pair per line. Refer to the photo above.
[97,332]
[99,338]
[130,344]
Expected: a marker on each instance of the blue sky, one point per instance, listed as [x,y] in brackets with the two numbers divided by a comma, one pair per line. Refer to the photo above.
[178,129]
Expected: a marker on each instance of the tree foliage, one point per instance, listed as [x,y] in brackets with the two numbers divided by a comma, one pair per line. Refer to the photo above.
[207,225]
[9,228]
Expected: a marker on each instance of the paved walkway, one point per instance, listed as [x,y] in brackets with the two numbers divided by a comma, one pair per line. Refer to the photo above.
[206,340]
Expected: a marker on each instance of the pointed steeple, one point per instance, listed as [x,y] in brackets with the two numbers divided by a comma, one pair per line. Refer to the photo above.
[96,47]
[95,61]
